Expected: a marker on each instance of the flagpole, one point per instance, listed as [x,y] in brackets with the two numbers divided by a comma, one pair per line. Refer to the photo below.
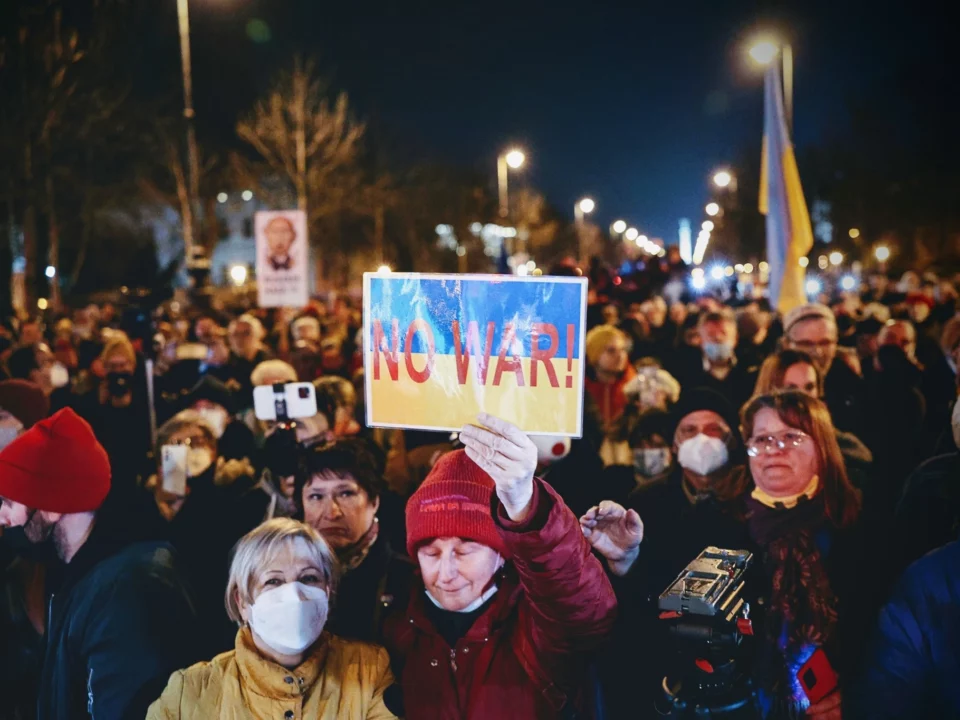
[786,55]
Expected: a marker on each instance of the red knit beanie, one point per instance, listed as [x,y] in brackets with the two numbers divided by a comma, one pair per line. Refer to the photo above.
[454,501]
[56,466]
[24,400]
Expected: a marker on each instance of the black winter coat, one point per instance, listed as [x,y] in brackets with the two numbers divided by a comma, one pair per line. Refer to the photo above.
[120,621]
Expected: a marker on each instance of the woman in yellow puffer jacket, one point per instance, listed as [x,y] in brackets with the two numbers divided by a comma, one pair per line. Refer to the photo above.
[284,665]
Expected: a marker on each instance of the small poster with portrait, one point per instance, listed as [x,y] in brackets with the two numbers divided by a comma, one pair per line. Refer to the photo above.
[283,275]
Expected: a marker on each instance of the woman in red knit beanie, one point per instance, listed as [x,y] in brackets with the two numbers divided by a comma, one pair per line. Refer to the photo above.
[509,600]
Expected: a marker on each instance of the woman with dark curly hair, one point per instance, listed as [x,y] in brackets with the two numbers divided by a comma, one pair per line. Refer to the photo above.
[803,515]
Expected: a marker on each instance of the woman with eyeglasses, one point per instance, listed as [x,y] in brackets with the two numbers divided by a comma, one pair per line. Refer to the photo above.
[797,370]
[803,516]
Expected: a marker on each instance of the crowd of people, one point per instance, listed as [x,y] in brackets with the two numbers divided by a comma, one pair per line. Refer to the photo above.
[321,568]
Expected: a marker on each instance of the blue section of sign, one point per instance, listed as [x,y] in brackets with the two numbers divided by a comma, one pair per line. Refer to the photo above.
[441,300]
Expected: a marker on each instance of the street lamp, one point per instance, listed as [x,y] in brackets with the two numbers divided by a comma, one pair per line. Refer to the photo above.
[193,163]
[707,225]
[238,273]
[712,209]
[584,206]
[619,226]
[632,234]
[764,52]
[854,233]
[512,159]
[722,179]
[882,253]
[836,257]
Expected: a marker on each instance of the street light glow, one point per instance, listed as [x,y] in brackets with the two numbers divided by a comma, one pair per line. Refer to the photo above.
[712,209]
[722,179]
[764,52]
[804,261]
[619,226]
[50,272]
[42,303]
[707,225]
[836,257]
[848,282]
[854,233]
[748,268]
[238,273]
[221,198]
[632,234]
[587,206]
[814,286]
[716,272]
[247,195]
[515,159]
[882,253]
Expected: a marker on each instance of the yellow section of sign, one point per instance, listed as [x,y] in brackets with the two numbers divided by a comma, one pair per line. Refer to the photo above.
[442,403]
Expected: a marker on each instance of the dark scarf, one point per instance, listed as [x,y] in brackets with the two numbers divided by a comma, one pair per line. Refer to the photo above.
[802,610]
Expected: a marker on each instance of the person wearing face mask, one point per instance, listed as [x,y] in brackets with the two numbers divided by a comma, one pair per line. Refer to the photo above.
[641,459]
[120,618]
[219,406]
[215,510]
[38,365]
[717,366]
[340,492]
[285,662]
[509,602]
[117,410]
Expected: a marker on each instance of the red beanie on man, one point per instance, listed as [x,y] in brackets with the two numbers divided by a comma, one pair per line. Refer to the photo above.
[453,501]
[57,466]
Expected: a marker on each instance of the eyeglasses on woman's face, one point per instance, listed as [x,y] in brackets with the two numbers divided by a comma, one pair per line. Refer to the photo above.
[769,444]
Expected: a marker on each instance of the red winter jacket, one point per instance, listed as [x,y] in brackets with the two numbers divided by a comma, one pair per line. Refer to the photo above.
[524,657]
[609,397]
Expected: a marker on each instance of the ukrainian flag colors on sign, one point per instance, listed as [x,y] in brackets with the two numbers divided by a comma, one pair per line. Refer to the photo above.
[439,349]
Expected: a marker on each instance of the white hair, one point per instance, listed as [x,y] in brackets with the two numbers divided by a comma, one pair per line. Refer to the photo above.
[273,368]
[258,332]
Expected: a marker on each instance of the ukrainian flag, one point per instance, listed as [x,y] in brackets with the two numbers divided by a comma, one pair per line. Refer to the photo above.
[789,234]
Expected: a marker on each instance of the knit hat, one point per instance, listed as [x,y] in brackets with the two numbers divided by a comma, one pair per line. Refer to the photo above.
[919,297]
[57,466]
[703,398]
[454,501]
[24,400]
[807,312]
[598,339]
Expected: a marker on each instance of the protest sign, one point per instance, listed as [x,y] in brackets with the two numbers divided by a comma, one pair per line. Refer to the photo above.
[283,276]
[439,349]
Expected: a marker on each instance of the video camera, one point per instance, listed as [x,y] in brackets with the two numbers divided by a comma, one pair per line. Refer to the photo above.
[709,622]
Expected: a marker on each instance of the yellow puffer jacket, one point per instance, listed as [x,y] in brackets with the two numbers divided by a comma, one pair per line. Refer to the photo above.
[342,679]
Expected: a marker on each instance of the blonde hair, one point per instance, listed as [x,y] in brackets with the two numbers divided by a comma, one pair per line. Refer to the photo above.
[272,367]
[118,344]
[599,338]
[260,546]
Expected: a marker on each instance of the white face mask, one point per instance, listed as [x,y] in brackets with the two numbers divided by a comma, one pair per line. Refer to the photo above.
[703,454]
[198,460]
[650,462]
[59,375]
[291,617]
[217,419]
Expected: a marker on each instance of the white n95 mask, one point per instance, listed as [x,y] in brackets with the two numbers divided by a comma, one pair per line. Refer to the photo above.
[291,617]
[703,454]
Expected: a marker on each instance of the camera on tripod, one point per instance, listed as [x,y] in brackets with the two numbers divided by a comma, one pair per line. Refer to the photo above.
[708,615]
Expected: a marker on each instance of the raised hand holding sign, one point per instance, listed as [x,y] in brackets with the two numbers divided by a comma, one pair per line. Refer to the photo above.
[506,455]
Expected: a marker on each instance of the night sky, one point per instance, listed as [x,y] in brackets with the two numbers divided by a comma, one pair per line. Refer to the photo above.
[634,106]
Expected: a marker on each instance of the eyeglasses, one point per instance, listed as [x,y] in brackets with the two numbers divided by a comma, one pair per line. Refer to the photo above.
[769,444]
[814,345]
